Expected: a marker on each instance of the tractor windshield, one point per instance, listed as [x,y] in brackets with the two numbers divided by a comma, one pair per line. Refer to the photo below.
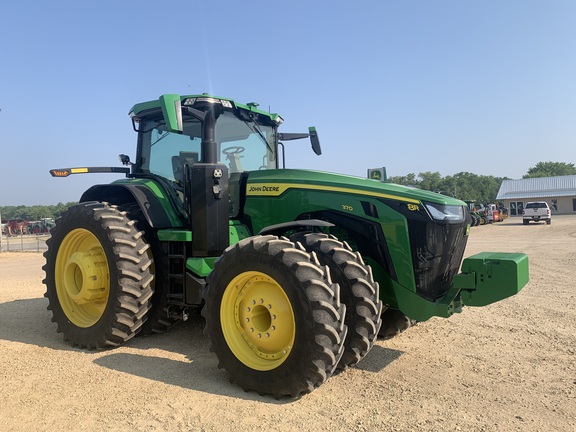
[242,146]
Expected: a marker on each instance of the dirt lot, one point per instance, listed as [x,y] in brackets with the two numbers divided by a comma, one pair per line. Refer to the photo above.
[509,366]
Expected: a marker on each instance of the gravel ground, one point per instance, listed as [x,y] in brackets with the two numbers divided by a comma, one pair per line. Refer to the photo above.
[506,367]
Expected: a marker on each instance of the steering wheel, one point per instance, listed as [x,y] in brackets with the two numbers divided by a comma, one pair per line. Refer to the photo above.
[233,150]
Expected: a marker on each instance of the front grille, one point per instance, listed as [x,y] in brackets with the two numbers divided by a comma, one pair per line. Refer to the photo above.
[437,251]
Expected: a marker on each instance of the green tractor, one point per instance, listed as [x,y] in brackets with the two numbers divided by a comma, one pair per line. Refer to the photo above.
[296,272]
[477,214]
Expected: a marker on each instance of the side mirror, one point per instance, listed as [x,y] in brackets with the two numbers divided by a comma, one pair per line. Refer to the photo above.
[124,159]
[311,133]
[314,140]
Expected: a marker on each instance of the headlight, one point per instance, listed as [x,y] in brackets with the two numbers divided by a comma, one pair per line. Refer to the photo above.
[208,99]
[446,213]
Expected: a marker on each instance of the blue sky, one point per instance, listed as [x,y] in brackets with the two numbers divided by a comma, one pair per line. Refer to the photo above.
[486,87]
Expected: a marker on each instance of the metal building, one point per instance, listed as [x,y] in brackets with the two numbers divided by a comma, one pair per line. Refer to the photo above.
[559,192]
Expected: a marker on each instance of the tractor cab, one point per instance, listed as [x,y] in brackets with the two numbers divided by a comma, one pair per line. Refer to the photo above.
[206,129]
[241,138]
[177,133]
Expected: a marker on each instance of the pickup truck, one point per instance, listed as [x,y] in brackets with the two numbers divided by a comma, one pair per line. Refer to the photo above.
[536,212]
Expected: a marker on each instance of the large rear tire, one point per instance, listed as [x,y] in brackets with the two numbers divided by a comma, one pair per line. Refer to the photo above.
[358,292]
[98,278]
[273,317]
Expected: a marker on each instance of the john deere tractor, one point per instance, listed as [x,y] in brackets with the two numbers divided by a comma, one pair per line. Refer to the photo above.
[295,272]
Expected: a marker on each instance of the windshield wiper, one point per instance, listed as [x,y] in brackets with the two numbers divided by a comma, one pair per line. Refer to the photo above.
[160,138]
[255,128]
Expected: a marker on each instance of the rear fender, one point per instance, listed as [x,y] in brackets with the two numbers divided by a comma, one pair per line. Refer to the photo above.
[156,207]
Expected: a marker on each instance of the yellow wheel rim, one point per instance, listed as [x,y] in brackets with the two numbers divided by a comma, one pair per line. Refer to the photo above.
[82,278]
[257,321]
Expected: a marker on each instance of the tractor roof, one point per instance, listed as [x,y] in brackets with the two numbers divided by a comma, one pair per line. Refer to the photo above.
[142,108]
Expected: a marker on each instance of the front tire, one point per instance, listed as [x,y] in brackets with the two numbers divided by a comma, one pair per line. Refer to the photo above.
[394,322]
[98,279]
[274,320]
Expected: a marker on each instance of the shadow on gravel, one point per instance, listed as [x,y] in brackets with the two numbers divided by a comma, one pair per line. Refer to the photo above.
[199,371]
[530,224]
[28,321]
[378,358]
[199,374]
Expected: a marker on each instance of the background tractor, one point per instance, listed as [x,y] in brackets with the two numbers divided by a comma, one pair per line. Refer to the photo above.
[295,272]
[478,213]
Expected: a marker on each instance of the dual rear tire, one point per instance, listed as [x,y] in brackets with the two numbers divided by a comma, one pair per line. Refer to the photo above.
[274,318]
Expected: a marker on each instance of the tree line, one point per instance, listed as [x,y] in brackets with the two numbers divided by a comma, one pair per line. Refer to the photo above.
[480,188]
[464,185]
[35,212]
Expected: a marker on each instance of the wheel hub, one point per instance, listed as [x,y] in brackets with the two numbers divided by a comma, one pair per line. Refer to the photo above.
[85,276]
[82,277]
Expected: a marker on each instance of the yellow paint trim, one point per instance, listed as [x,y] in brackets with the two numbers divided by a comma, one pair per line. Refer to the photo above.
[277,189]
[78,170]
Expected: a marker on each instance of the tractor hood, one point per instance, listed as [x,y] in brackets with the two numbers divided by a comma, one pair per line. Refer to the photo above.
[276,182]
[414,239]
